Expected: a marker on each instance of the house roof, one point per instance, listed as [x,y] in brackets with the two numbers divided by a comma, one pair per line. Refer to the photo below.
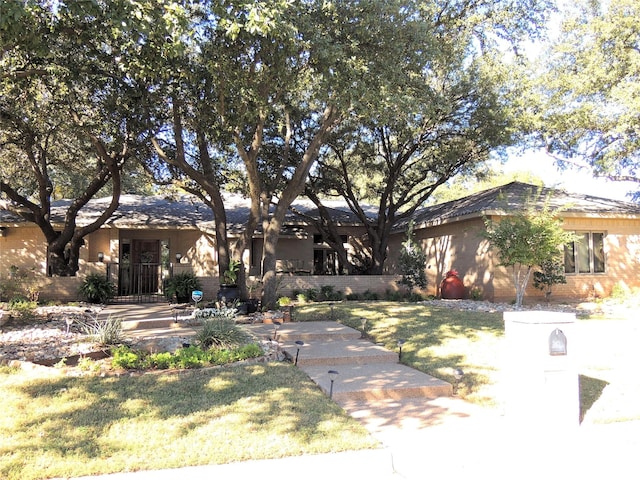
[184,211]
[513,197]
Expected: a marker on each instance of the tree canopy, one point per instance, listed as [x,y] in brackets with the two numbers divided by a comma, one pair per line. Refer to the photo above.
[443,121]
[587,105]
[65,117]
[527,240]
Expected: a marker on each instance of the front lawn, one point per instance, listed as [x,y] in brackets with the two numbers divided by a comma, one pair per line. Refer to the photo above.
[67,427]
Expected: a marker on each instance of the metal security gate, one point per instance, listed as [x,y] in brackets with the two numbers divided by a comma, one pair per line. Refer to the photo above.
[137,282]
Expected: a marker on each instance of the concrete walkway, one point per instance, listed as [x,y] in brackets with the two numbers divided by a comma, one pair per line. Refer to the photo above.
[428,437]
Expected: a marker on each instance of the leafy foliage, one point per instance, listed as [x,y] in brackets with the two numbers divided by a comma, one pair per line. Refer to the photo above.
[186,357]
[588,98]
[96,288]
[526,240]
[179,287]
[551,273]
[104,332]
[412,262]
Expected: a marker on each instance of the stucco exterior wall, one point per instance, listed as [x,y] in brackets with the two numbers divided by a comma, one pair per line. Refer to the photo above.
[460,246]
[457,246]
[347,284]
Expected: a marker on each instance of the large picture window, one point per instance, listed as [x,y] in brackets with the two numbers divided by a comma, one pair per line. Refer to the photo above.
[586,254]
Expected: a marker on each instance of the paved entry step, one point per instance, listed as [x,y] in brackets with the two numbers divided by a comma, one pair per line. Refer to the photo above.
[377,382]
[339,352]
[304,331]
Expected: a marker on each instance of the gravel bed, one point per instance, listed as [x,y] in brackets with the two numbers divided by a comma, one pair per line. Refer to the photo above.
[50,337]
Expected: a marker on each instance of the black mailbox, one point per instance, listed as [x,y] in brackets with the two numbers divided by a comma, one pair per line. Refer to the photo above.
[557,343]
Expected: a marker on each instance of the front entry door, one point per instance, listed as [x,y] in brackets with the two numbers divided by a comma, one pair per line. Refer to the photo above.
[145,256]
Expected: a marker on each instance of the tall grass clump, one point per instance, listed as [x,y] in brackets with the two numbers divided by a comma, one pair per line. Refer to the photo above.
[219,329]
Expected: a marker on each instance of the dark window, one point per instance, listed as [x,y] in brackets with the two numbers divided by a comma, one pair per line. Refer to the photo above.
[586,254]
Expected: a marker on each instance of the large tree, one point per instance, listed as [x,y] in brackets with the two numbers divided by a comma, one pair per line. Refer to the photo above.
[64,114]
[272,80]
[587,105]
[452,114]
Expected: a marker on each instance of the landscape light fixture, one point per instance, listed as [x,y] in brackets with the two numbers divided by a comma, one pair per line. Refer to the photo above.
[457,374]
[101,257]
[401,342]
[178,257]
[363,325]
[69,321]
[276,326]
[333,374]
[299,345]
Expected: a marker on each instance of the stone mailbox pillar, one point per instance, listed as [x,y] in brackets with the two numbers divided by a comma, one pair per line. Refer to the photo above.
[541,379]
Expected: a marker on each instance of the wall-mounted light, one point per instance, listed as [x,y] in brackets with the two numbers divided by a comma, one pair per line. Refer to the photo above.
[101,257]
[3,231]
[178,257]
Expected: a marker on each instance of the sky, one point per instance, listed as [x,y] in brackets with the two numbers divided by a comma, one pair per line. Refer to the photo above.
[542,165]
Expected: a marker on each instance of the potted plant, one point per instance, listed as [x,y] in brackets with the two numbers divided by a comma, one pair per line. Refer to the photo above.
[180,286]
[451,286]
[286,307]
[253,303]
[229,290]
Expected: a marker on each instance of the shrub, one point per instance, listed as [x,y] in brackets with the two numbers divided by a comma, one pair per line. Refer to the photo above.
[551,273]
[105,332]
[160,360]
[369,295]
[284,301]
[179,287]
[220,333]
[475,294]
[415,297]
[22,308]
[223,311]
[97,289]
[190,357]
[124,357]
[327,292]
[412,261]
[311,294]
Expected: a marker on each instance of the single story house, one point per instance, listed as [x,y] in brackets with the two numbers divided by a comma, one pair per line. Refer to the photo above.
[607,257]
[151,238]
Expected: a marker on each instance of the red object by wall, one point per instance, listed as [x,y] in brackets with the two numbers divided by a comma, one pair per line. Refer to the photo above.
[452,287]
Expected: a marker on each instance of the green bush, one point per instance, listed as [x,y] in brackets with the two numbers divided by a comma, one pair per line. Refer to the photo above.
[311,294]
[220,333]
[97,289]
[160,360]
[179,287]
[124,357]
[188,357]
[369,295]
[191,357]
[23,309]
[327,292]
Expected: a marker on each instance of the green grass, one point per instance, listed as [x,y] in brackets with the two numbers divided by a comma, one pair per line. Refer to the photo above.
[438,340]
[64,426]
